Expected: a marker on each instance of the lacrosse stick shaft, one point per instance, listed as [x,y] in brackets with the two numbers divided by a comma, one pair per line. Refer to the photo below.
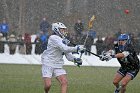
[87,51]
[90,24]
[93,53]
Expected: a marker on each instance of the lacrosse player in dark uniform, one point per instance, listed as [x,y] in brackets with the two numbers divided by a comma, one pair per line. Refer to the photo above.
[126,55]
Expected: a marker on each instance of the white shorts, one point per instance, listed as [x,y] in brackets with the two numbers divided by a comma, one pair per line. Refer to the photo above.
[48,71]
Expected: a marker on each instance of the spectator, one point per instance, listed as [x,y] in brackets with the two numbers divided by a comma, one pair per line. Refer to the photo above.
[2,39]
[4,28]
[37,46]
[78,28]
[92,33]
[109,40]
[44,26]
[99,45]
[89,43]
[43,39]
[41,43]
[135,42]
[138,35]
[12,45]
[28,44]
[21,44]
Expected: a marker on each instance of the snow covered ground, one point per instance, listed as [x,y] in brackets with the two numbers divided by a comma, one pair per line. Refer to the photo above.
[36,59]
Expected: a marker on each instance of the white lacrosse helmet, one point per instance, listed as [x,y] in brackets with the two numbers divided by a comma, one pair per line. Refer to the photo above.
[57,26]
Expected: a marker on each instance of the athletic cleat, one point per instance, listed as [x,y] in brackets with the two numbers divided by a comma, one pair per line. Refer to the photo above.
[116,91]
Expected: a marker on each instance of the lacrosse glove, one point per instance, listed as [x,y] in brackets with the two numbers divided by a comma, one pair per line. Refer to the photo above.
[78,61]
[105,57]
[102,57]
[108,57]
[81,49]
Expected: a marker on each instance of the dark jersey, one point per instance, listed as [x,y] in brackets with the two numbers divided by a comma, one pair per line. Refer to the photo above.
[131,62]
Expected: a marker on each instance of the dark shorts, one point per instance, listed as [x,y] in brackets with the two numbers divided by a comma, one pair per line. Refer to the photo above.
[132,73]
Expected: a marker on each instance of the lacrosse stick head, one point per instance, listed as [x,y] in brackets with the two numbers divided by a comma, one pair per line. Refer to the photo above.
[90,24]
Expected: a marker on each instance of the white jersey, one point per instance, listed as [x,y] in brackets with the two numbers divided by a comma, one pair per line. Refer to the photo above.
[53,55]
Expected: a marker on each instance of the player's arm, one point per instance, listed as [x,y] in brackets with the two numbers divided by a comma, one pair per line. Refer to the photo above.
[122,55]
[111,54]
[129,51]
[70,57]
[57,41]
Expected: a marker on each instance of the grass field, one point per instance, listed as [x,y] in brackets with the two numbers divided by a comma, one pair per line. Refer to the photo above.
[27,79]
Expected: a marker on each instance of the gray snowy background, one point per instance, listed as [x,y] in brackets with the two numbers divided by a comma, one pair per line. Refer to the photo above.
[25,15]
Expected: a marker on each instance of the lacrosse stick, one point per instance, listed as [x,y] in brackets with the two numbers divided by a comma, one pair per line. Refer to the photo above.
[90,25]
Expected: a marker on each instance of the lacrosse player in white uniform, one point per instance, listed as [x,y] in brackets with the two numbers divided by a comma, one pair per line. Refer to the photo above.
[52,57]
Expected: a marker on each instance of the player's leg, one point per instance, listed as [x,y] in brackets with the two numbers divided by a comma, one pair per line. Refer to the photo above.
[62,78]
[129,76]
[64,83]
[47,84]
[118,77]
[47,75]
[124,82]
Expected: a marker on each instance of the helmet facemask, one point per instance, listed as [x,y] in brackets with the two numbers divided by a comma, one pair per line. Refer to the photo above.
[122,44]
[63,32]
